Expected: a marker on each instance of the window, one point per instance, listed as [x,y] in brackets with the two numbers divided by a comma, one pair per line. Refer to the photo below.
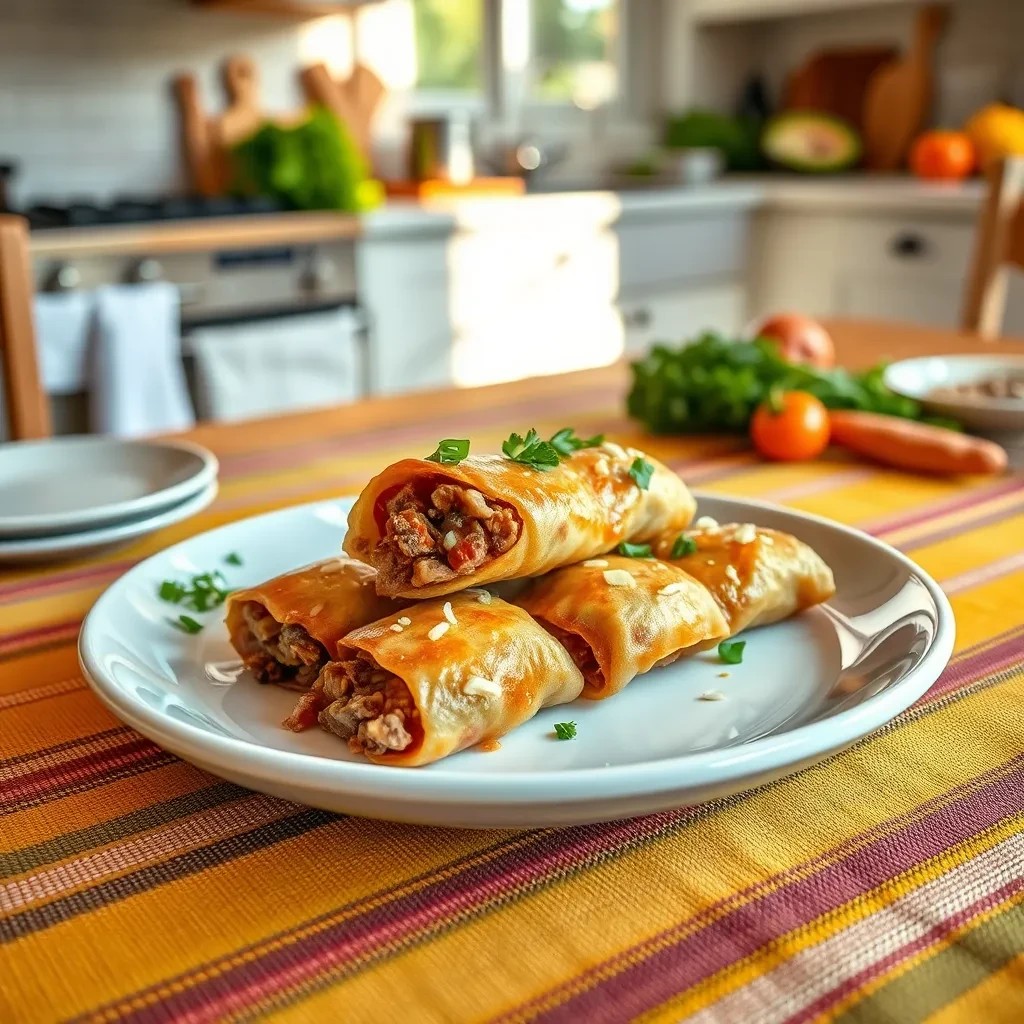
[448,45]
[573,51]
[510,54]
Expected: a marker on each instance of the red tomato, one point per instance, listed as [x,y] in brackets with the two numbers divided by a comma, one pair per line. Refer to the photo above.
[790,427]
[943,156]
[800,339]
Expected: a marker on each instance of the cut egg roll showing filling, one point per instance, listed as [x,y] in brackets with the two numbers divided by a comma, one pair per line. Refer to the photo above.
[283,629]
[620,617]
[438,677]
[757,576]
[432,529]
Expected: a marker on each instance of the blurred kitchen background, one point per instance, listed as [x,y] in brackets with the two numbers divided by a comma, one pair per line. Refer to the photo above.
[246,206]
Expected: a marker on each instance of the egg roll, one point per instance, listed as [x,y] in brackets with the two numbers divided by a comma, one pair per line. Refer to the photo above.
[620,617]
[439,677]
[285,629]
[432,529]
[757,576]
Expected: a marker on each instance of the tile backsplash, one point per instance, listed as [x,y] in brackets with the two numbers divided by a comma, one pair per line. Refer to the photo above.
[85,87]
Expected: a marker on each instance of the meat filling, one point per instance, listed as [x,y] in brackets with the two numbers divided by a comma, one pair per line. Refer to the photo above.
[277,653]
[361,703]
[581,653]
[451,536]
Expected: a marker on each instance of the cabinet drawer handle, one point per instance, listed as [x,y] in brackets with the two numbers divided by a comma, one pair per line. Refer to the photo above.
[908,246]
[637,318]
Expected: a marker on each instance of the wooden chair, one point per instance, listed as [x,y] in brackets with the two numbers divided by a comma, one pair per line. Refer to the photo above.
[999,246]
[28,410]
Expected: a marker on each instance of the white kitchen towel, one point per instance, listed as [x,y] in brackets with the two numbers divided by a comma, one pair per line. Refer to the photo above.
[62,340]
[274,365]
[137,376]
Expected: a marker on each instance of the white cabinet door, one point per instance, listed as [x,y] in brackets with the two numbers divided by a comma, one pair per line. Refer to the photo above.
[403,289]
[679,314]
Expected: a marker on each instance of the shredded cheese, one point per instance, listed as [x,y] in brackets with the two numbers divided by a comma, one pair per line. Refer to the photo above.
[765,539]
[712,695]
[619,578]
[746,534]
[595,563]
[478,686]
[672,588]
[439,631]
[711,561]
[316,609]
[601,467]
[732,574]
[449,614]
[706,523]
[404,620]
[450,540]
[615,450]
[395,627]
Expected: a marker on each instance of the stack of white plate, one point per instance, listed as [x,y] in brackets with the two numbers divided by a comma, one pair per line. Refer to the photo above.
[71,496]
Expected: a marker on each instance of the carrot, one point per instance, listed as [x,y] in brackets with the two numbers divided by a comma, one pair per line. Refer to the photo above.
[915,446]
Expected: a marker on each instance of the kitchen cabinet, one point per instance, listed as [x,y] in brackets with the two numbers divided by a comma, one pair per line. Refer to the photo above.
[287,8]
[403,291]
[725,12]
[880,264]
[682,274]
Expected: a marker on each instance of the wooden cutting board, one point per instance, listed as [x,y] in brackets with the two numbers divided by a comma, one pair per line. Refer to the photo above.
[836,81]
[899,95]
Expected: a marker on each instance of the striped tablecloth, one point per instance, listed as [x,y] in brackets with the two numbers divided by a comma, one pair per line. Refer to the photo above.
[886,884]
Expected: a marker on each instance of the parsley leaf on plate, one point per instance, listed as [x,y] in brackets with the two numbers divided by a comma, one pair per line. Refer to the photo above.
[634,550]
[203,592]
[565,441]
[186,624]
[731,651]
[233,559]
[683,546]
[641,471]
[451,451]
[531,450]
[565,730]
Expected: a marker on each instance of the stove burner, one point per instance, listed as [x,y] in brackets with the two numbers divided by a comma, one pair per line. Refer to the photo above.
[144,210]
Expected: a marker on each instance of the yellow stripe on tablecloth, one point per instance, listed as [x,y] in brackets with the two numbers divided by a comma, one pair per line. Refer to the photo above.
[987,609]
[768,832]
[81,810]
[999,996]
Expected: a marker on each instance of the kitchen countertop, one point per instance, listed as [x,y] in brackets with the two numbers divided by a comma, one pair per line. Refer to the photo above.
[847,193]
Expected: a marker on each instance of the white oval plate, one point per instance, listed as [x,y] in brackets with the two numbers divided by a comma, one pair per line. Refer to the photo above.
[88,542]
[806,688]
[72,484]
[918,378]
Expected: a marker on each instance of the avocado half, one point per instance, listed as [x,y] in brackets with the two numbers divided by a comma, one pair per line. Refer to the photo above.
[810,142]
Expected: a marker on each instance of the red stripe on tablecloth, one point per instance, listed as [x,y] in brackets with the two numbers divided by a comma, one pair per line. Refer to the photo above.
[132,756]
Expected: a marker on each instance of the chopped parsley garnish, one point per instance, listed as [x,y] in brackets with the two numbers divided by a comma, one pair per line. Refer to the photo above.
[531,450]
[641,471]
[731,651]
[233,559]
[565,730]
[634,550]
[200,594]
[565,441]
[186,624]
[684,546]
[451,451]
